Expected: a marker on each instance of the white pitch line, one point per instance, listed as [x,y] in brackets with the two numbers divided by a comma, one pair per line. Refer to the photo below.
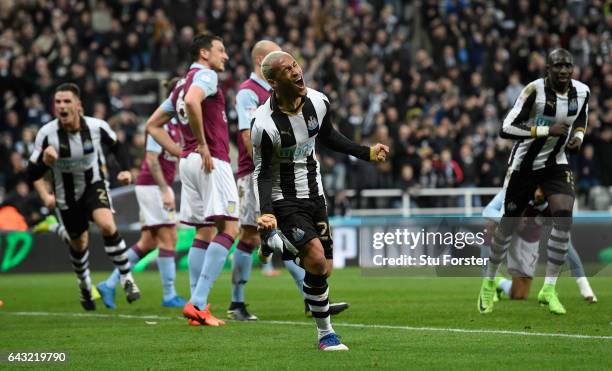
[354,325]
[442,329]
[86,315]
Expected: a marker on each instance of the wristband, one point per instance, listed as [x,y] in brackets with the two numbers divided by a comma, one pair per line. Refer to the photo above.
[579,134]
[372,154]
[539,131]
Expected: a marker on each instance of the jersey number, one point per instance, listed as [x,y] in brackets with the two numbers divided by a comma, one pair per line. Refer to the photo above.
[180,108]
[323,231]
[102,196]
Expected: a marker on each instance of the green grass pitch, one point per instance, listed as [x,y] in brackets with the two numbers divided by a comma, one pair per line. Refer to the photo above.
[393,323]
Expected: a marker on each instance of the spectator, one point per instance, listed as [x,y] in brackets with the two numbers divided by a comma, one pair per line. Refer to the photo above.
[447,82]
[26,202]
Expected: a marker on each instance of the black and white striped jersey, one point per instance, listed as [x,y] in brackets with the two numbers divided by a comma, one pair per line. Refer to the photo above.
[80,160]
[539,105]
[284,149]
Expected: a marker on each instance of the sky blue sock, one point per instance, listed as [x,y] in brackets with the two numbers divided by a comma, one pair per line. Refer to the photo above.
[506,285]
[196,258]
[167,272]
[242,263]
[574,262]
[297,273]
[133,258]
[213,264]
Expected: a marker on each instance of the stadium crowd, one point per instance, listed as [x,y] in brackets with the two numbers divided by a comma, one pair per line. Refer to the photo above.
[433,79]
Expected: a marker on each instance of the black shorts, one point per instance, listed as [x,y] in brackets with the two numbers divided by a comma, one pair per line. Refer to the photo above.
[301,220]
[522,185]
[76,218]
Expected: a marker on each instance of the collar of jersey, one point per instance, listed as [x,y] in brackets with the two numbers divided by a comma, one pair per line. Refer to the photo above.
[198,65]
[81,123]
[276,107]
[547,85]
[263,83]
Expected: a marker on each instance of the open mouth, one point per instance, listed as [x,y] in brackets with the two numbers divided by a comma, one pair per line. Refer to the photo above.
[300,83]
[63,114]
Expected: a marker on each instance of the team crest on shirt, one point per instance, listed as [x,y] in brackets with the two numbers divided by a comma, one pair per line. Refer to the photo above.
[231,207]
[87,146]
[298,234]
[312,123]
[573,105]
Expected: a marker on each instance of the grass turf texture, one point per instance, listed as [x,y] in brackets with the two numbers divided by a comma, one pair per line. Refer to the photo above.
[130,343]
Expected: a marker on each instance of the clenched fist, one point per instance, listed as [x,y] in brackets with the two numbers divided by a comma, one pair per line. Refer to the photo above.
[266,222]
[49,156]
[124,177]
[379,152]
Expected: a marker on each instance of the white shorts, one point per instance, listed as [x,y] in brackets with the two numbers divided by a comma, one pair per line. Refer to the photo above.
[249,203]
[152,211]
[523,257]
[206,197]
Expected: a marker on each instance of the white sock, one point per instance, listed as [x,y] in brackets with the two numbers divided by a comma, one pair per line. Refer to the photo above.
[552,280]
[506,285]
[585,288]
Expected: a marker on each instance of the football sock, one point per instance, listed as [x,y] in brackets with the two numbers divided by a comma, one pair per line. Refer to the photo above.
[242,263]
[267,267]
[61,232]
[213,264]
[506,285]
[574,262]
[80,265]
[297,273]
[134,254]
[499,248]
[557,252]
[585,287]
[117,250]
[167,272]
[195,258]
[316,294]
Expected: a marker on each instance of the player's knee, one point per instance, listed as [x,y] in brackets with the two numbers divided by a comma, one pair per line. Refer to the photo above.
[78,245]
[107,228]
[250,236]
[231,228]
[316,264]
[146,245]
[167,241]
[80,242]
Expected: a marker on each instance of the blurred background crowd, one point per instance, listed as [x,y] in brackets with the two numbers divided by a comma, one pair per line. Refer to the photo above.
[433,79]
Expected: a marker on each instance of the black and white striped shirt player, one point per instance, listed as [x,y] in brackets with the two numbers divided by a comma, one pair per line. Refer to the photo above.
[287,177]
[81,161]
[72,147]
[538,107]
[549,117]
[538,158]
